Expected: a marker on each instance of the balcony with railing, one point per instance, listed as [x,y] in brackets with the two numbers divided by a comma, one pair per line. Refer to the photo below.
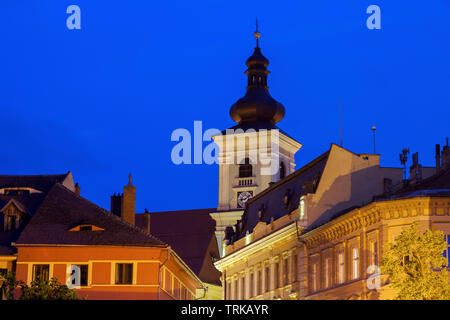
[244,182]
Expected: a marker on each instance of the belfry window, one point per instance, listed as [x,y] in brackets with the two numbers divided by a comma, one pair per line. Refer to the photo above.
[245,169]
[282,170]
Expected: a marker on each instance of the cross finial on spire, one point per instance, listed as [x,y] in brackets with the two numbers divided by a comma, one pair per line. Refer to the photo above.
[257,34]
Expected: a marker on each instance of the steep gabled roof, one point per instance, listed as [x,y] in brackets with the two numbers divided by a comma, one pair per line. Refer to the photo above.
[62,210]
[273,197]
[39,182]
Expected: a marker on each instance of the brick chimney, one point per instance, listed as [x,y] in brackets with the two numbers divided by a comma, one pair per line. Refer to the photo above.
[146,222]
[77,189]
[116,204]
[446,156]
[129,202]
[415,171]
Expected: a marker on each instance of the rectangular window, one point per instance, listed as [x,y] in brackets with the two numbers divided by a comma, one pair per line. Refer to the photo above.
[373,253]
[252,285]
[236,297]
[327,273]
[83,275]
[295,267]
[41,271]
[176,289]
[258,282]
[243,288]
[446,253]
[277,275]
[167,280]
[286,272]
[267,279]
[182,293]
[124,273]
[355,263]
[341,268]
[229,290]
[314,276]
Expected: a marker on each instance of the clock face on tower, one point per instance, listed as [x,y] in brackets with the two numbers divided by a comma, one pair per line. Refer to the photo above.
[242,198]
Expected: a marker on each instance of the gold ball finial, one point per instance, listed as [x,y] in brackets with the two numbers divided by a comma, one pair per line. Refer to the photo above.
[257,34]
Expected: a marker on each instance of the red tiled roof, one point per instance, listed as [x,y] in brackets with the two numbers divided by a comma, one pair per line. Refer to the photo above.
[62,210]
[191,234]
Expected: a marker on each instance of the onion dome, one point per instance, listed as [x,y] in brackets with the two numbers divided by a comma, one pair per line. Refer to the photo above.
[257,105]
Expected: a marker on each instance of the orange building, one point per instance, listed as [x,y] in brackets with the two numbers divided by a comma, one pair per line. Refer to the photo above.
[50,231]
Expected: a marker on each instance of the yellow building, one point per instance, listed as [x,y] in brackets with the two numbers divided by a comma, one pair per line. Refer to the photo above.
[314,234]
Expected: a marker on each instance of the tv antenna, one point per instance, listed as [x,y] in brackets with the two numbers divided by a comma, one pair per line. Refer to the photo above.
[403,159]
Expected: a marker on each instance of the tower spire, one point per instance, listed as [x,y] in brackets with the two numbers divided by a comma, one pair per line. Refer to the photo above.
[257,34]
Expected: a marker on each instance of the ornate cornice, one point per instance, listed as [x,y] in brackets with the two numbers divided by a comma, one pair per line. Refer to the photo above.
[374,213]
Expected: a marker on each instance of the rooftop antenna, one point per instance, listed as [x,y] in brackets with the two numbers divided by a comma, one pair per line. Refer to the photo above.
[340,120]
[403,160]
[373,129]
[257,34]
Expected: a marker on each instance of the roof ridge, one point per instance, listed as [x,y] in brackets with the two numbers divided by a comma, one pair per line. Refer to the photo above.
[288,177]
[178,211]
[108,214]
[34,175]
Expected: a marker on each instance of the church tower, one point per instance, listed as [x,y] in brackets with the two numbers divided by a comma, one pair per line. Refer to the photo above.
[254,153]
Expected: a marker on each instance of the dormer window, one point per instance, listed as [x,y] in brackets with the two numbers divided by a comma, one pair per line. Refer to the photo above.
[10,223]
[302,208]
[282,170]
[12,214]
[86,227]
[286,198]
[15,192]
[261,211]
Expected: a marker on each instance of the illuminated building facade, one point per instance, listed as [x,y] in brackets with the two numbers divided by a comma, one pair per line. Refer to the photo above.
[329,239]
[47,228]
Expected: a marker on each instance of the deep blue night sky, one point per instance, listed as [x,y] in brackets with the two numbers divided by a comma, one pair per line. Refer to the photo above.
[104,100]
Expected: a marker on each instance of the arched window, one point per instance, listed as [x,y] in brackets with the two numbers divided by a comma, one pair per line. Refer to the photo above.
[245,169]
[282,170]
